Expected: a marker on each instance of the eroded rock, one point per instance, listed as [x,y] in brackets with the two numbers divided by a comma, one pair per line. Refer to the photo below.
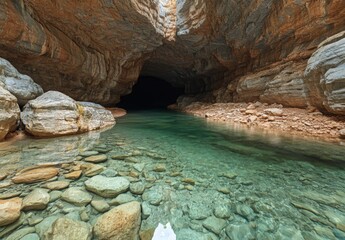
[10,210]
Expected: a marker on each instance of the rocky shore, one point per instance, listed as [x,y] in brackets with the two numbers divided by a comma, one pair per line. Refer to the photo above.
[272,118]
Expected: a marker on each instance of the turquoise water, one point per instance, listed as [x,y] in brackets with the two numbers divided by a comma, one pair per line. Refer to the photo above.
[213,181]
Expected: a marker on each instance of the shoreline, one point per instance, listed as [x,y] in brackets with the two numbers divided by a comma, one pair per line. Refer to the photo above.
[271,119]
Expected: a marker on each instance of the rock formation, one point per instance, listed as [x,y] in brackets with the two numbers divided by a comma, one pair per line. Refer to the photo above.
[224,50]
[9,112]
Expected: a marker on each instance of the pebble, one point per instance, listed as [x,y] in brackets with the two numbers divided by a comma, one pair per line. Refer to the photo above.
[107,187]
[159,168]
[121,199]
[73,175]
[31,236]
[222,211]
[38,199]
[88,153]
[188,181]
[57,185]
[100,205]
[137,188]
[214,224]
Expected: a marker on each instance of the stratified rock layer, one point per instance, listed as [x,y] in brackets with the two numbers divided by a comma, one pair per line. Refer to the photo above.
[224,50]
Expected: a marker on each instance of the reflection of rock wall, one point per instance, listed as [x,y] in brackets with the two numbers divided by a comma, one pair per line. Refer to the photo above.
[94,50]
[32,151]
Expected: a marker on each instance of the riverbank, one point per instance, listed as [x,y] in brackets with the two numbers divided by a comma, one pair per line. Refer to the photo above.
[288,121]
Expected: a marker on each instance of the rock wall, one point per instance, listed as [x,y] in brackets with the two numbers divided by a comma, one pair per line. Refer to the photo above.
[94,50]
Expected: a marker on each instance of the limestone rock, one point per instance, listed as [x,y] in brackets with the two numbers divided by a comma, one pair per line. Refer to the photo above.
[325,75]
[121,222]
[107,187]
[9,210]
[65,228]
[76,196]
[21,86]
[35,175]
[51,114]
[94,116]
[9,112]
[38,199]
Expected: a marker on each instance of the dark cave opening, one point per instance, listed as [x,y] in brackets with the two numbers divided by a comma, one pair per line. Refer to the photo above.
[150,92]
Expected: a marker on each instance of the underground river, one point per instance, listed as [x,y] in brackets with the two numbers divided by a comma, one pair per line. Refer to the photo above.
[210,181]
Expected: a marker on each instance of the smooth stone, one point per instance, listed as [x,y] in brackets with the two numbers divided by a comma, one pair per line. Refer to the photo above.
[214,224]
[9,195]
[224,190]
[35,175]
[38,199]
[121,222]
[5,184]
[3,176]
[10,210]
[198,211]
[188,181]
[109,173]
[76,196]
[90,169]
[73,175]
[21,233]
[33,220]
[88,153]
[107,187]
[139,166]
[74,215]
[145,210]
[54,195]
[222,211]
[159,168]
[11,227]
[137,188]
[153,197]
[245,211]
[96,158]
[121,199]
[100,205]
[240,232]
[31,236]
[65,228]
[57,185]
[43,226]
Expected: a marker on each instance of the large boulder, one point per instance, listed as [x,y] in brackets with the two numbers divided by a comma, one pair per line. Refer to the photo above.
[119,223]
[54,114]
[325,75]
[9,112]
[20,85]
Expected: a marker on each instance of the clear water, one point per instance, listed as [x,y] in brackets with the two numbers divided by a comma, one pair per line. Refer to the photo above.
[264,186]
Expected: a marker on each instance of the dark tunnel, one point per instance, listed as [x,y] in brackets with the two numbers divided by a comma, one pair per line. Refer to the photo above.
[150,93]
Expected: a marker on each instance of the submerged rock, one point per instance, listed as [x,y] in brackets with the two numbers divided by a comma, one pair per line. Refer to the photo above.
[65,228]
[107,187]
[35,175]
[76,196]
[120,223]
[38,199]
[10,210]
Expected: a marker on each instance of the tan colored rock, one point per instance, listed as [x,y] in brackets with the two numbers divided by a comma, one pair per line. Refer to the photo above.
[9,112]
[35,175]
[57,185]
[90,169]
[96,158]
[119,223]
[73,175]
[38,199]
[65,228]
[9,210]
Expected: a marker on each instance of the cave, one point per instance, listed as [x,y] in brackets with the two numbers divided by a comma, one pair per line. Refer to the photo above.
[150,93]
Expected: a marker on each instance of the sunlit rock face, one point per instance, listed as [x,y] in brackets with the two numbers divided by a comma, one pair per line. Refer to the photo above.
[95,50]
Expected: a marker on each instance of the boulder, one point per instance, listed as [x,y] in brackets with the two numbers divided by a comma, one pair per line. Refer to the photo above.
[9,112]
[65,228]
[35,175]
[38,199]
[119,223]
[325,75]
[10,210]
[107,187]
[54,114]
[51,114]
[20,85]
[94,116]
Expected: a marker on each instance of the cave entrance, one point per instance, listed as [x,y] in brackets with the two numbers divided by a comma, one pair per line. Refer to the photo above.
[149,93]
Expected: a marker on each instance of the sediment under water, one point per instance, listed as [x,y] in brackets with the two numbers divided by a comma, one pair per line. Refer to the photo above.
[210,181]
